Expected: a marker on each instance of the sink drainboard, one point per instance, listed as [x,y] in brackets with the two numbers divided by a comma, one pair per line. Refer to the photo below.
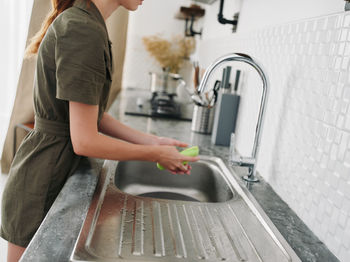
[121,226]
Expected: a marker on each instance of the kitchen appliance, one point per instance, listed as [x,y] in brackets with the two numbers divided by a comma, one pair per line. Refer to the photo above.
[158,107]
[165,105]
[166,83]
[164,88]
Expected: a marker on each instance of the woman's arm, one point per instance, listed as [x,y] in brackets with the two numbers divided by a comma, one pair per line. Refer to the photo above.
[114,128]
[87,141]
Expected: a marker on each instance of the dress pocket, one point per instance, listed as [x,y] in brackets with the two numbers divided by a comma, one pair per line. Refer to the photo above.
[34,171]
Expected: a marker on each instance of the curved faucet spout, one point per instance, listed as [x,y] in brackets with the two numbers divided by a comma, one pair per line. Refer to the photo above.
[239,57]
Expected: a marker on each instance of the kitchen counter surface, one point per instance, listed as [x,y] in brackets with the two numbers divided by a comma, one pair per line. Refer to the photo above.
[55,238]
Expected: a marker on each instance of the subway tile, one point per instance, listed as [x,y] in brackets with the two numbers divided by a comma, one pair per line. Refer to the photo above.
[347,158]
[346,237]
[343,186]
[340,121]
[325,226]
[343,219]
[336,35]
[338,136]
[343,34]
[346,94]
[346,21]
[343,253]
[340,86]
[331,164]
[347,123]
[331,22]
[334,105]
[341,48]
[343,171]
[343,145]
[344,107]
[337,198]
[346,208]
[347,49]
[333,222]
[344,66]
[334,180]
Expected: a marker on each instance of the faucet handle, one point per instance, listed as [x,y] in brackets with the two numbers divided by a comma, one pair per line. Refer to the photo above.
[232,144]
[237,160]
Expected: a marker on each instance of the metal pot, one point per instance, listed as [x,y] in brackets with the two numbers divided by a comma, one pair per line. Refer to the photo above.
[166,83]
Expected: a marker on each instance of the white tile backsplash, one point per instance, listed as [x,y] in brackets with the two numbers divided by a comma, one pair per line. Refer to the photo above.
[305,148]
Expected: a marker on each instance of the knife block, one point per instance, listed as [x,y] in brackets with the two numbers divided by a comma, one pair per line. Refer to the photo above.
[225,119]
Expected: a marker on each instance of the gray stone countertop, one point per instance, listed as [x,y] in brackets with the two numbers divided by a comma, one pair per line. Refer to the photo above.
[55,238]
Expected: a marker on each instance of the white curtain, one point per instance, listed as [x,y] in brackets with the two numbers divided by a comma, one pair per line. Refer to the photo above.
[14,23]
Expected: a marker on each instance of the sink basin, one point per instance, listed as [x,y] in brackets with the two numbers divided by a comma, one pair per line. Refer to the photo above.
[205,184]
[139,213]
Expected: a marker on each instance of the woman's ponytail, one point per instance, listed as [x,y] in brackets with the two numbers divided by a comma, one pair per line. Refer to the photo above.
[58,6]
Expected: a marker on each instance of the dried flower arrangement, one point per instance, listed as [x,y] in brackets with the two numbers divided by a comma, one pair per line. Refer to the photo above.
[170,54]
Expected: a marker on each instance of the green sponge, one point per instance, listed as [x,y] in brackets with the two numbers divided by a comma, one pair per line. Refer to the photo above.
[191,151]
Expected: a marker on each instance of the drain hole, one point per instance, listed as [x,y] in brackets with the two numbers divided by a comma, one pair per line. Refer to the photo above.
[168,195]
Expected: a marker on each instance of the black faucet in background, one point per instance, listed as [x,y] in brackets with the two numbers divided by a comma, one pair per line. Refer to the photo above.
[347,5]
[223,20]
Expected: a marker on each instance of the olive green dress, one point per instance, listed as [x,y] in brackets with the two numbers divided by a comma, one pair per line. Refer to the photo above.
[74,64]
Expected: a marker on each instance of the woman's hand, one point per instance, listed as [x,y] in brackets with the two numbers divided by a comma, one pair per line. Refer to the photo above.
[170,142]
[171,159]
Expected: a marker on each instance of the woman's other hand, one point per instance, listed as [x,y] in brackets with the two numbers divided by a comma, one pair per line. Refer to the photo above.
[170,142]
[171,159]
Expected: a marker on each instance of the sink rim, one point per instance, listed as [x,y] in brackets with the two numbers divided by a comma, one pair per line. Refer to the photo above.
[107,181]
[209,163]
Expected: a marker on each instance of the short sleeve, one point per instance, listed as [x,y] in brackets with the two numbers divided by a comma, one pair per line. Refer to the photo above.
[80,62]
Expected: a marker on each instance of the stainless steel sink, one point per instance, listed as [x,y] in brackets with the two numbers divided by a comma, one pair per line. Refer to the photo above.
[205,184]
[140,213]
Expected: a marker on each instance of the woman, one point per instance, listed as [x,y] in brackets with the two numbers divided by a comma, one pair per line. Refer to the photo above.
[72,81]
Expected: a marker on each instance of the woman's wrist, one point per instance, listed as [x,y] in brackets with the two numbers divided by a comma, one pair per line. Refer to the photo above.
[153,153]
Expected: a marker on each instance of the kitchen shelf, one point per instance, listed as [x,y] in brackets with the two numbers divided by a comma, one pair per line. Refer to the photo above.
[188,12]
[209,2]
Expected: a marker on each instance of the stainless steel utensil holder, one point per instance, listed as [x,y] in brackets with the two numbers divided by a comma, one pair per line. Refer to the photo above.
[203,119]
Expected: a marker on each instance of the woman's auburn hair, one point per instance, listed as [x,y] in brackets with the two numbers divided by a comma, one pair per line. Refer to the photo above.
[58,6]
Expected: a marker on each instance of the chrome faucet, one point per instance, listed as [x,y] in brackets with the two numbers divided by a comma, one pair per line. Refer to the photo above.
[235,159]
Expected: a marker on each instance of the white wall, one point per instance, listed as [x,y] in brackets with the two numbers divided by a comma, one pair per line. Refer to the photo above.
[154,17]
[305,150]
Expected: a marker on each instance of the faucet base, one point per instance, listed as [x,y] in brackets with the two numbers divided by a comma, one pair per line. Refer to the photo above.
[250,178]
